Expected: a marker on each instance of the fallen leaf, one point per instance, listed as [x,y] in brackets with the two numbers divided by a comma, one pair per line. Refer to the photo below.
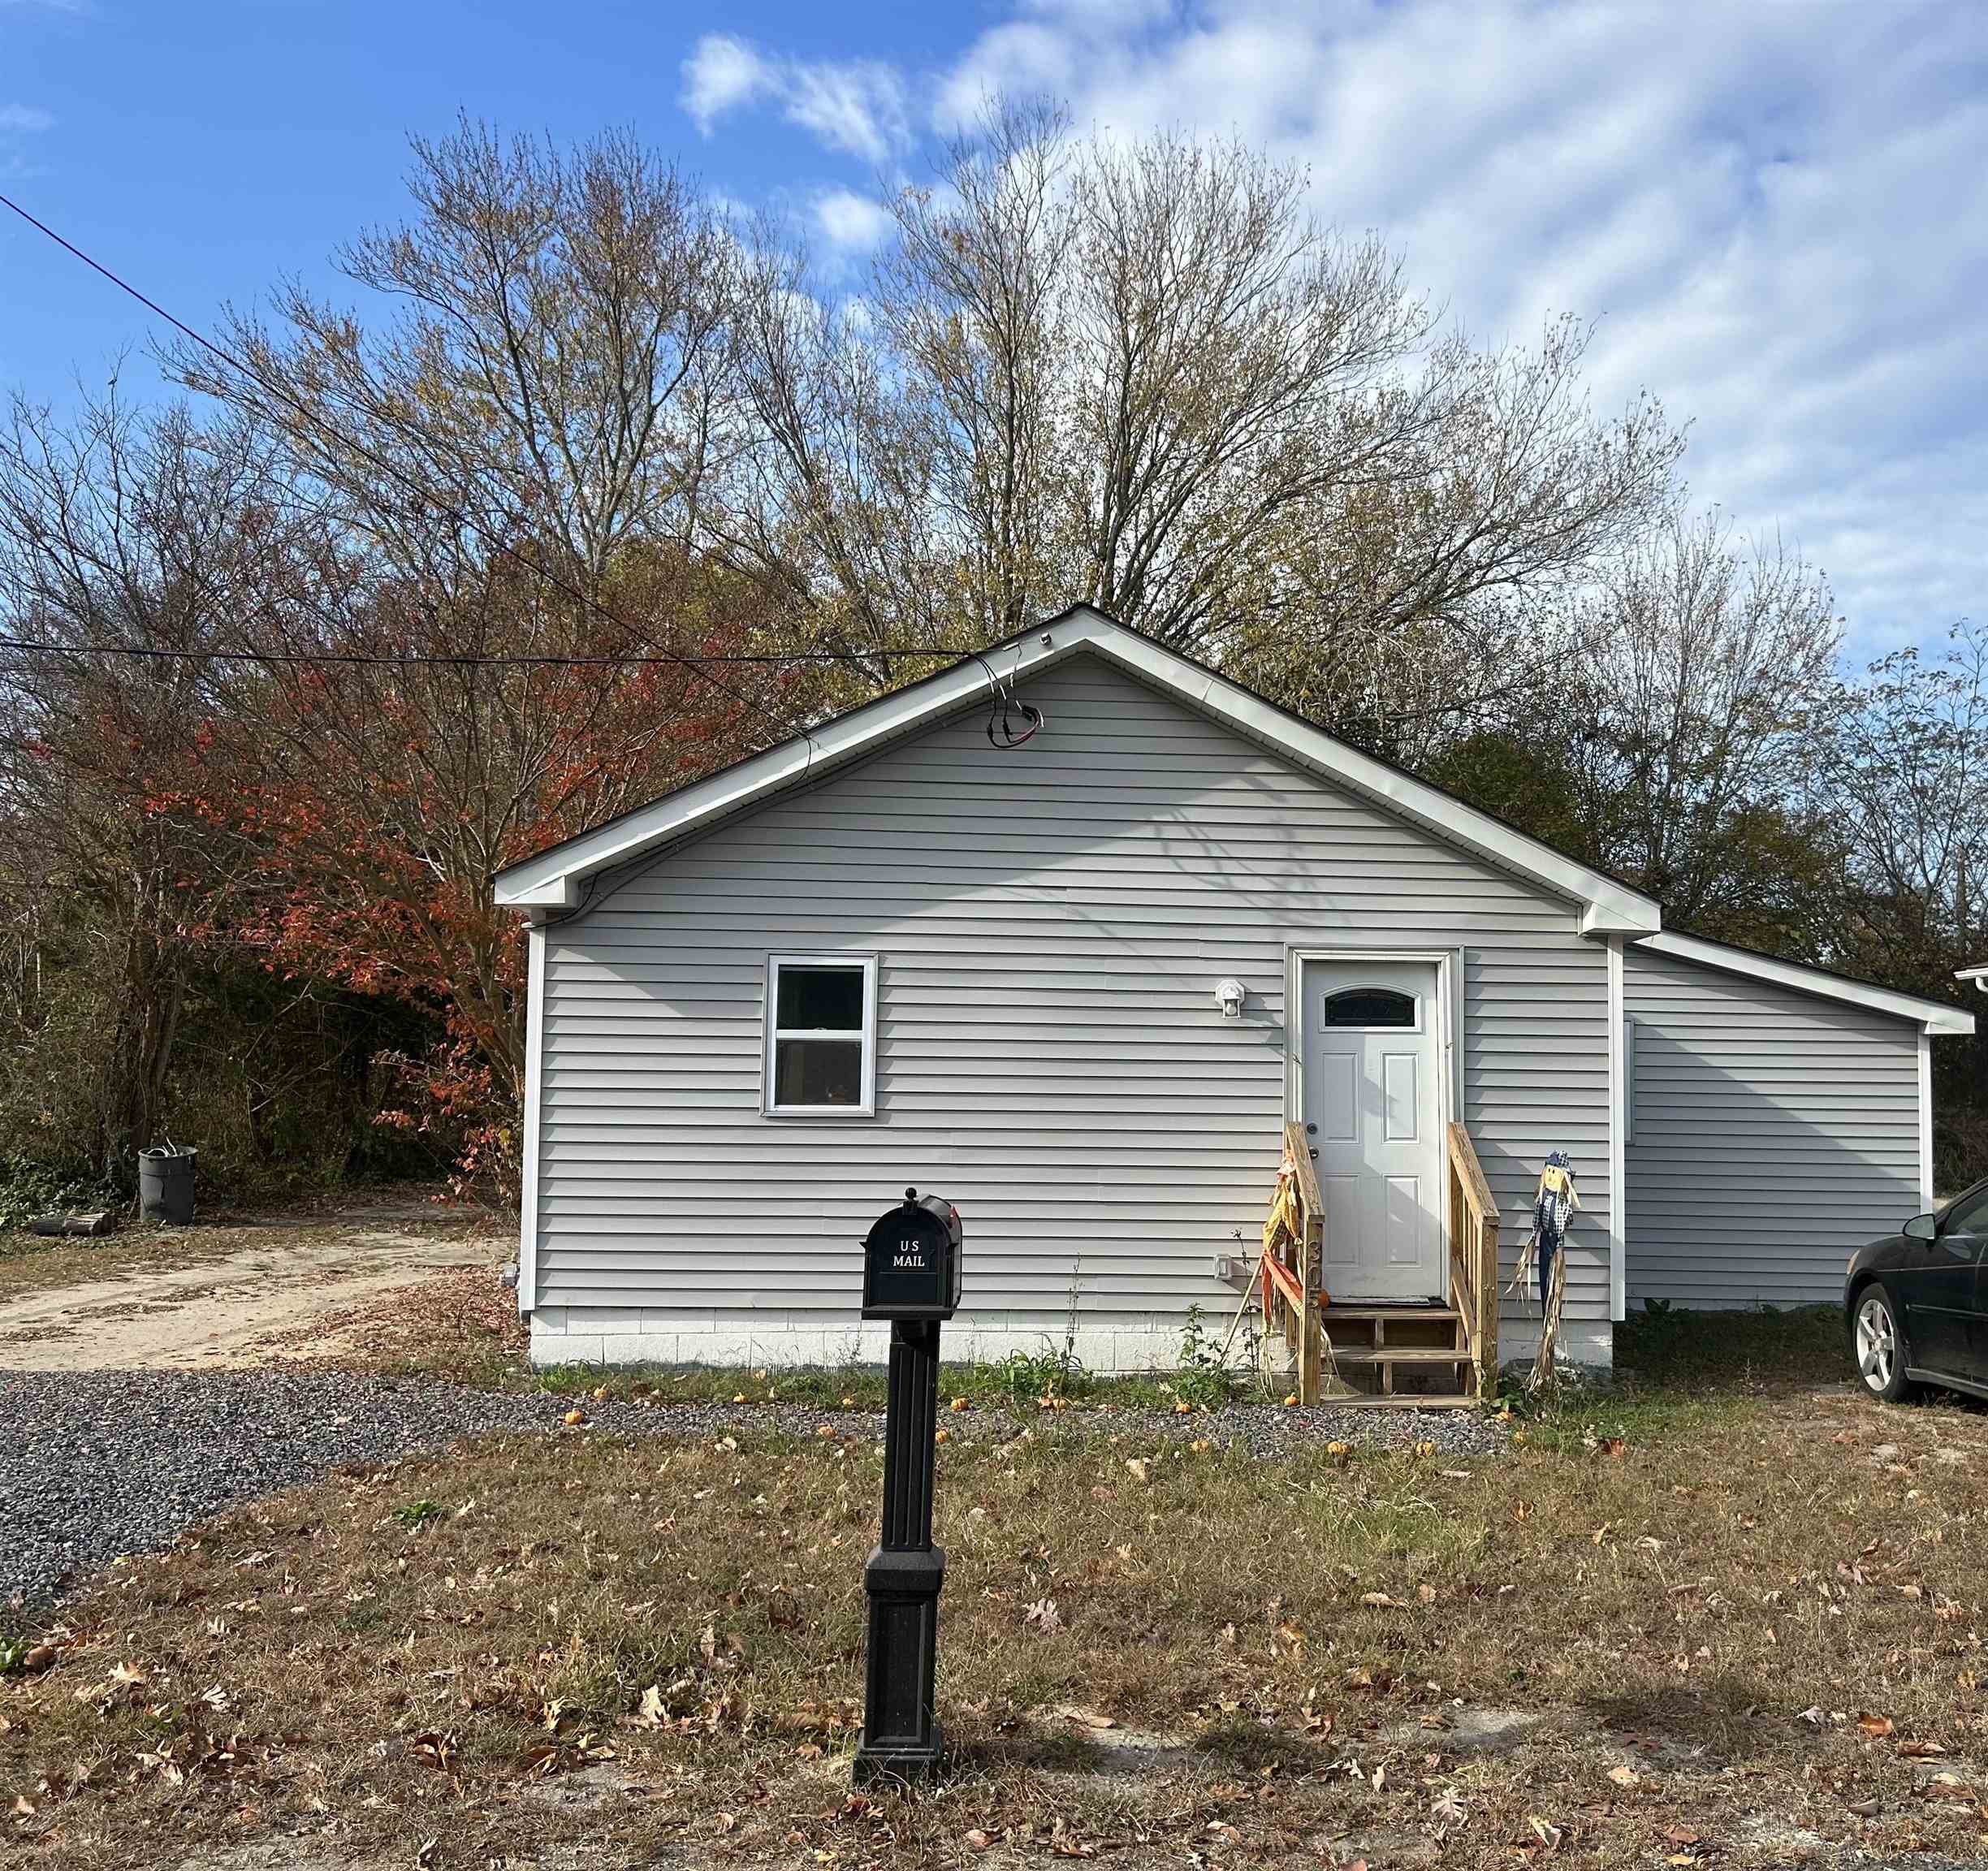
[1875,1724]
[1624,1775]
[976,1840]
[1082,1717]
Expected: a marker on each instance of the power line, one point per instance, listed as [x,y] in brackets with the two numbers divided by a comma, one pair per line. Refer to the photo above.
[466,659]
[456,516]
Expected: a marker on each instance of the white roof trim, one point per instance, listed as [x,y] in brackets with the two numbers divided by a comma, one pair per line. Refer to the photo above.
[1929,1016]
[552,880]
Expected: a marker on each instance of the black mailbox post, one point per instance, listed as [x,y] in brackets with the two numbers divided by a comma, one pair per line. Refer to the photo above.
[911,1276]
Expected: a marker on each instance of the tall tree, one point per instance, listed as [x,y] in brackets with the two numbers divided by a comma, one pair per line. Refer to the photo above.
[507,468]
[1712,661]
[141,534]
[1141,373]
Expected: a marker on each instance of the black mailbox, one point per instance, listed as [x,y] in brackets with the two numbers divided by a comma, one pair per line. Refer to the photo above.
[911,1260]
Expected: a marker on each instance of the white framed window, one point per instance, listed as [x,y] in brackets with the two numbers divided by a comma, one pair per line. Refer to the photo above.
[821,1036]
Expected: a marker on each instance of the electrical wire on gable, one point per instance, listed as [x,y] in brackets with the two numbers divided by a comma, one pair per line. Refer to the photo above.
[1001,731]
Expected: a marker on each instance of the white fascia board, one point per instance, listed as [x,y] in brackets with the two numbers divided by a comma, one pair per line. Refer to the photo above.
[1929,1015]
[551,880]
[1608,907]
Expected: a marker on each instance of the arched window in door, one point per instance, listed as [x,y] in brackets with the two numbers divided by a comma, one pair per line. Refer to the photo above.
[1369,1007]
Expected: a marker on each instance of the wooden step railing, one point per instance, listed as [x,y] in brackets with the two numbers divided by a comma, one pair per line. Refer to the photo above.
[1293,1258]
[1474,1259]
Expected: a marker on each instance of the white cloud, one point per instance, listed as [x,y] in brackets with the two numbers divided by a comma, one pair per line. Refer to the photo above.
[1778,214]
[721,74]
[23,120]
[856,107]
[851,224]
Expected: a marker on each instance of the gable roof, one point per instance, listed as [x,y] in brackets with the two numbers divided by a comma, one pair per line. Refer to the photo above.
[554,878]
[1929,1015]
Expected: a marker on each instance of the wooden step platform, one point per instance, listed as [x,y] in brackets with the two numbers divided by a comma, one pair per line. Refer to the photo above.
[1406,1356]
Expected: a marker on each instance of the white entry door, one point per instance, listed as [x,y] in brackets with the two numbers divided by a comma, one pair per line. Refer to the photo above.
[1372,1051]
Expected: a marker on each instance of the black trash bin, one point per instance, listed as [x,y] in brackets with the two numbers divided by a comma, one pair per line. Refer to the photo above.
[166,1185]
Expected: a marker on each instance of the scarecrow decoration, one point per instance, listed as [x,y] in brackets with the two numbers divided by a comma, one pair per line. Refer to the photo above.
[1544,1256]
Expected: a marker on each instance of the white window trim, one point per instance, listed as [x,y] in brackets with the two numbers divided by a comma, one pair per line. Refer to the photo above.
[867,1107]
[534,1107]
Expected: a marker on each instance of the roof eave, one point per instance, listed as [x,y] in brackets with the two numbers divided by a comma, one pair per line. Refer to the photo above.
[552,880]
[1933,1017]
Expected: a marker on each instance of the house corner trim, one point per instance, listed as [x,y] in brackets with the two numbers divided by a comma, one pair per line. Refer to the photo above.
[534,1076]
[1926,1119]
[1619,1178]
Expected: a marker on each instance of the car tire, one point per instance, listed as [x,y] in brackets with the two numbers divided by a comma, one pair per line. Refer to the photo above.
[1878,1345]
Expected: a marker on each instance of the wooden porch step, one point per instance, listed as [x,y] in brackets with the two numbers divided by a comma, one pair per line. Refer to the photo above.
[1445,1400]
[1389,1313]
[1399,1355]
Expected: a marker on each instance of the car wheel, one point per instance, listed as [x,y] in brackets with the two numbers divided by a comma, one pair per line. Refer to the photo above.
[1878,1345]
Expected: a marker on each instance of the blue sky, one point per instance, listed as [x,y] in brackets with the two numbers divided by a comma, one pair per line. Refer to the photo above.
[1778,213]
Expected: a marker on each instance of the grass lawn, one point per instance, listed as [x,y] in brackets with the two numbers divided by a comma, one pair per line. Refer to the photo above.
[1692,1622]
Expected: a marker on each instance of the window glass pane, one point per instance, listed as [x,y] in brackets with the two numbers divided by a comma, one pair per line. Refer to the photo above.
[1369,1007]
[828,1000]
[1968,1215]
[817,1072]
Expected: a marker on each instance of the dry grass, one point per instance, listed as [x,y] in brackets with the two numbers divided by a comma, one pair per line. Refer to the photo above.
[1734,1616]
[37,1263]
[462,1326]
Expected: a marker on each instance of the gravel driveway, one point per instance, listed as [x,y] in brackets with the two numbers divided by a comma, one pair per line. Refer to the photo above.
[100,1462]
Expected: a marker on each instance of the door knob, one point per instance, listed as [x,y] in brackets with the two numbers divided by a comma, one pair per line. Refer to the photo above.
[1312,1154]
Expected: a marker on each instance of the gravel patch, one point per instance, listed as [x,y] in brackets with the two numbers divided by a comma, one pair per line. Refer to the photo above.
[104,1463]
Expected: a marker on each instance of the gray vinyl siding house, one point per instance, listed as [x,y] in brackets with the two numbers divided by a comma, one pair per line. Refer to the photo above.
[1760,1113]
[1035,937]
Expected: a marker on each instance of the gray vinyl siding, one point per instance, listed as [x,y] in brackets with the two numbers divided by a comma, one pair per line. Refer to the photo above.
[1049,923]
[1772,1133]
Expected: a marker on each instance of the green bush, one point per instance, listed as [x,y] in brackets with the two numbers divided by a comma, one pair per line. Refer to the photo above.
[28,1189]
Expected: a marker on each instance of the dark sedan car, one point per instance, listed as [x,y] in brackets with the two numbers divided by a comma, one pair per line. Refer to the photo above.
[1915,1301]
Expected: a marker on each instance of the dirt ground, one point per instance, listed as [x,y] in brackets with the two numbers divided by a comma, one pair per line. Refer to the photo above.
[224,1299]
